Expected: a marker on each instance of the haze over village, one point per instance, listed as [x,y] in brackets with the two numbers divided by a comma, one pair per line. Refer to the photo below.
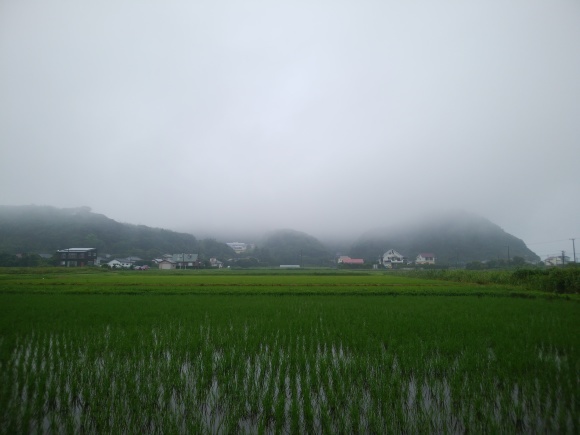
[77,237]
[229,120]
[287,217]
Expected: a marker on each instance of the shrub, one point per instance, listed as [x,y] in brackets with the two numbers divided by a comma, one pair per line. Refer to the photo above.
[554,280]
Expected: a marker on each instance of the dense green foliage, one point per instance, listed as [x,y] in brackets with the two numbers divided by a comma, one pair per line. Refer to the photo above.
[24,260]
[552,279]
[138,352]
[456,238]
[46,229]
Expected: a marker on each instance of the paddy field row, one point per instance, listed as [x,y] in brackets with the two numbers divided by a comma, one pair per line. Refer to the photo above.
[283,354]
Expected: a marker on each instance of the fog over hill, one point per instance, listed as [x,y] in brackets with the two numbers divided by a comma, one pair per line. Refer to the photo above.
[228,117]
[452,237]
[45,229]
[294,247]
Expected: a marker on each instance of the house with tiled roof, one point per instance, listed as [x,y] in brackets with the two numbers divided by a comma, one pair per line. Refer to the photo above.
[425,258]
[344,259]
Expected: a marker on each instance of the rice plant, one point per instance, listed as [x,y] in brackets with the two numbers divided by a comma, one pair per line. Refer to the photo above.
[270,364]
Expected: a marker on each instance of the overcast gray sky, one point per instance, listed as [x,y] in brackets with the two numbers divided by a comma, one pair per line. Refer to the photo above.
[322,116]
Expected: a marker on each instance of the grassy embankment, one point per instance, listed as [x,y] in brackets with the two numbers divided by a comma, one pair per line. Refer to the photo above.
[553,280]
[201,352]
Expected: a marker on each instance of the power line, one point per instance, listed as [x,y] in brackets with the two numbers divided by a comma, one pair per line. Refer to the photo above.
[545,243]
[573,239]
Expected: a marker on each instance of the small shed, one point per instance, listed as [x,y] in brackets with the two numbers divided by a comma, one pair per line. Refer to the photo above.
[166,265]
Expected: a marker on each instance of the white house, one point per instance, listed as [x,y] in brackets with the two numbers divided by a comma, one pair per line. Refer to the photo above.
[124,263]
[558,260]
[238,247]
[392,257]
[214,262]
[114,264]
[425,258]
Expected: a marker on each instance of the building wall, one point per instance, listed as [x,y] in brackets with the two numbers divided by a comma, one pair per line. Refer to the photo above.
[425,260]
[73,257]
[393,257]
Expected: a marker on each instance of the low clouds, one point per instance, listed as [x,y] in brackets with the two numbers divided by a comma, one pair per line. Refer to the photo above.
[326,117]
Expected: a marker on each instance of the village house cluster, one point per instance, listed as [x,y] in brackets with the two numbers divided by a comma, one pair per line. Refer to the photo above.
[391,258]
[79,257]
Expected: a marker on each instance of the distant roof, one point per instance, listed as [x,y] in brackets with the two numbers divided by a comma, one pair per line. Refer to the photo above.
[353,261]
[75,249]
[184,257]
[392,252]
[167,261]
[426,254]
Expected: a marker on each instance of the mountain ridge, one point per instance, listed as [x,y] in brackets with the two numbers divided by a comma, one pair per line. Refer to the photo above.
[456,236]
[452,237]
[45,229]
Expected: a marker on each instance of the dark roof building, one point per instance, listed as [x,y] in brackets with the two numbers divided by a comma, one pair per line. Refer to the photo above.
[77,257]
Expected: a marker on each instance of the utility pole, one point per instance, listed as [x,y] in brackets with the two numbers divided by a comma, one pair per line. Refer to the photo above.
[563,258]
[574,250]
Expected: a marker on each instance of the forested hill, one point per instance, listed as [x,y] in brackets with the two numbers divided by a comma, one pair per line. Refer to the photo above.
[293,247]
[453,238]
[45,229]
[457,237]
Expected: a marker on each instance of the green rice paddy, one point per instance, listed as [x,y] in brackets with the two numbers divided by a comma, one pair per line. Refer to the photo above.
[306,352]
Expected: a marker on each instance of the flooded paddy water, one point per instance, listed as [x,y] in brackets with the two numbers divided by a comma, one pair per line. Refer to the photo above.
[290,365]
